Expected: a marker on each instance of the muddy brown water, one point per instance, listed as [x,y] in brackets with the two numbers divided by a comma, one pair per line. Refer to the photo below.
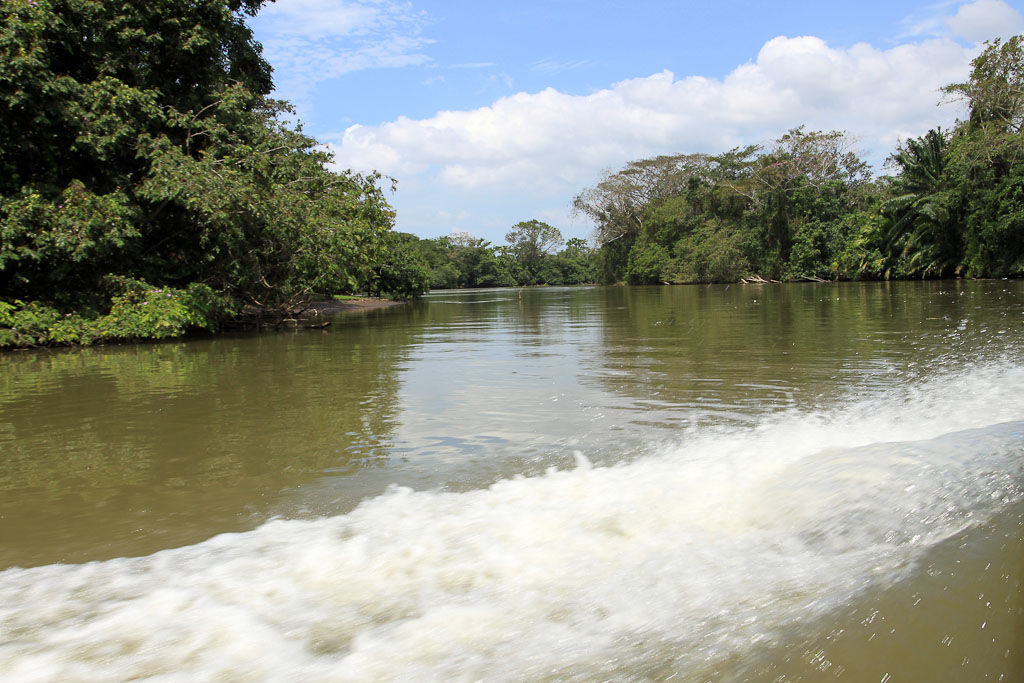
[766,483]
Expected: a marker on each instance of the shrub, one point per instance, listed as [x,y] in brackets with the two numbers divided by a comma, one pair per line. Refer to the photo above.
[138,310]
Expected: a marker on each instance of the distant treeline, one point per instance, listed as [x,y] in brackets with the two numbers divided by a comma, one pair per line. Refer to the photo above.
[535,254]
[807,207]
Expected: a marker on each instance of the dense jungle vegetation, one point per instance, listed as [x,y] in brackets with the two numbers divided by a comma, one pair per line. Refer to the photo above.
[149,184]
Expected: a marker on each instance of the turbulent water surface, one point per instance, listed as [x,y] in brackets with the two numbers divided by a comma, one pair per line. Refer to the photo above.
[779,483]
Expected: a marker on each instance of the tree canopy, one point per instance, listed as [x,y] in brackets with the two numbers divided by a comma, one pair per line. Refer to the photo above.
[806,206]
[138,144]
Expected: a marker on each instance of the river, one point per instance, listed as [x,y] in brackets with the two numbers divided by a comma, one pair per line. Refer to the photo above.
[808,482]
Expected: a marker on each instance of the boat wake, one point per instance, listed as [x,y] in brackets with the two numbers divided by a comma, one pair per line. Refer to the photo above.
[673,561]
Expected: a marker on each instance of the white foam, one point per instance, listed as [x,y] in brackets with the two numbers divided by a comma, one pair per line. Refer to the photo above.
[677,560]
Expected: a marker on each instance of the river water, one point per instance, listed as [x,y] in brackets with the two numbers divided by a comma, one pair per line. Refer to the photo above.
[762,483]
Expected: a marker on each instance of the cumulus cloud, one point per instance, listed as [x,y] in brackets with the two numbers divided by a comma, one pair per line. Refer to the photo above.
[529,153]
[986,19]
[549,142]
[314,40]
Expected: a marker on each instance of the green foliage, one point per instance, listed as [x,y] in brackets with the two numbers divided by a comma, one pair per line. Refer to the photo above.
[575,264]
[796,177]
[987,161]
[714,252]
[995,89]
[403,273]
[647,264]
[461,260]
[54,246]
[821,228]
[994,220]
[29,324]
[138,311]
[137,139]
[861,256]
[775,211]
[620,202]
[530,244]
[435,254]
[477,263]
[923,224]
[532,240]
[805,206]
[80,80]
[445,276]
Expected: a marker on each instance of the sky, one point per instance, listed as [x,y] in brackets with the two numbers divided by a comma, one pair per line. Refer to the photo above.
[492,113]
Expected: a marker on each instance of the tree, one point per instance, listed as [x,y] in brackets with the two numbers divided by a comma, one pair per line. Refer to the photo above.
[807,207]
[619,201]
[137,143]
[479,263]
[403,273]
[80,80]
[711,253]
[647,264]
[808,162]
[529,243]
[994,91]
[575,264]
[923,235]
[987,160]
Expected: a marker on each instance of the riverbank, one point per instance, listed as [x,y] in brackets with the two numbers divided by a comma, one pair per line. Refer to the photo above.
[312,314]
[155,315]
[332,306]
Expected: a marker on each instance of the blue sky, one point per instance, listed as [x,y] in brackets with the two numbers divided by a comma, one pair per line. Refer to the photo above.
[489,114]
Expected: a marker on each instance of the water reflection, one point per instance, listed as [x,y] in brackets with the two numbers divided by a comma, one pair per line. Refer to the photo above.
[713,354]
[125,450]
[804,482]
[492,386]
[129,449]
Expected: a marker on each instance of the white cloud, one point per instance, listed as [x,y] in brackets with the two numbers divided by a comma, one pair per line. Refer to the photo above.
[320,18]
[986,19]
[529,153]
[316,40]
[549,143]
[975,21]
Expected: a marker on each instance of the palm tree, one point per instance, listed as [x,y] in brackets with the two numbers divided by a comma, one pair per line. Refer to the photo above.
[922,228]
